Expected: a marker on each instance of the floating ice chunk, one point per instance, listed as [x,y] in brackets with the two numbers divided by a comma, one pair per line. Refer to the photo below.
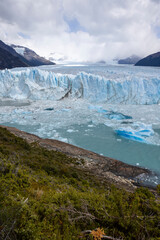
[70,130]
[119,140]
[132,135]
[111,115]
[138,132]
[117,116]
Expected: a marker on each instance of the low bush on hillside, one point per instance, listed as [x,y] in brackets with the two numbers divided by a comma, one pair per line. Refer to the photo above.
[46,195]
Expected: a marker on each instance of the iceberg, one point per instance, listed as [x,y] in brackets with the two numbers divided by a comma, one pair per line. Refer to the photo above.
[111,115]
[38,84]
[130,134]
[117,116]
[138,132]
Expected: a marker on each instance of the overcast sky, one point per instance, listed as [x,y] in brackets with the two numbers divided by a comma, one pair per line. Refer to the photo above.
[83,29]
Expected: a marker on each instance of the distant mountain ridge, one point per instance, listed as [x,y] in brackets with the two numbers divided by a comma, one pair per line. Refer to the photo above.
[152,60]
[130,60]
[10,58]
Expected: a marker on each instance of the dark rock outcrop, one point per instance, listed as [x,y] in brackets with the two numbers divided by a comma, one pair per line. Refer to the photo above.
[152,60]
[130,60]
[13,52]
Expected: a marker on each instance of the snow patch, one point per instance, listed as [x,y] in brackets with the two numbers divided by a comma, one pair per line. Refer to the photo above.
[20,50]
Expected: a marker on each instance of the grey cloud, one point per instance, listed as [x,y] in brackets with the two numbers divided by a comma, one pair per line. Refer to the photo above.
[156,1]
[114,28]
[29,14]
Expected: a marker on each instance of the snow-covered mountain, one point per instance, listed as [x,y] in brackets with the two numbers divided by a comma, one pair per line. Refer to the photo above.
[32,58]
[18,56]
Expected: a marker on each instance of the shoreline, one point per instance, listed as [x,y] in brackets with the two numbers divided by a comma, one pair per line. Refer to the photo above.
[107,169]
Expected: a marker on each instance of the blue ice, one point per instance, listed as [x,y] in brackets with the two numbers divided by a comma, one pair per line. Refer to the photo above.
[138,134]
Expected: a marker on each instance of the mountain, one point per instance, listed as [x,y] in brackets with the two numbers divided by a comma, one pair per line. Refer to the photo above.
[9,49]
[130,60]
[9,58]
[18,56]
[31,57]
[152,60]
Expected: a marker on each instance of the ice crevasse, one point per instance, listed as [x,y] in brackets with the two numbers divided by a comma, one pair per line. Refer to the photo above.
[38,84]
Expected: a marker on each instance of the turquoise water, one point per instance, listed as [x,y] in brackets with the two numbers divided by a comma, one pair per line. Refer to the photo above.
[102,139]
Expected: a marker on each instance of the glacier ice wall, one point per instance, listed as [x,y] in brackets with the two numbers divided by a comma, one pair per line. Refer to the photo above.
[38,84]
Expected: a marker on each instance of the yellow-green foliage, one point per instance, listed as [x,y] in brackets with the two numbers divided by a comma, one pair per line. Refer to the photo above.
[44,195]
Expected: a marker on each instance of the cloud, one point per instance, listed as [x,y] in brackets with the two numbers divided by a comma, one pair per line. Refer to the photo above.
[25,36]
[83,30]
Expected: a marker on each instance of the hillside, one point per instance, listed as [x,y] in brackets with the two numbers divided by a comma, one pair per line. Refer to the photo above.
[47,194]
[7,60]
[152,60]
[11,57]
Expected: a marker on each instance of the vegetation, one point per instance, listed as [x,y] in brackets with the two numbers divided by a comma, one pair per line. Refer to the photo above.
[46,195]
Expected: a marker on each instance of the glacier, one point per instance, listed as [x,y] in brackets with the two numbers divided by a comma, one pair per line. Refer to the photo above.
[38,84]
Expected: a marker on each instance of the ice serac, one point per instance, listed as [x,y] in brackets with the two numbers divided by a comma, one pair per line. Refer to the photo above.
[40,84]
